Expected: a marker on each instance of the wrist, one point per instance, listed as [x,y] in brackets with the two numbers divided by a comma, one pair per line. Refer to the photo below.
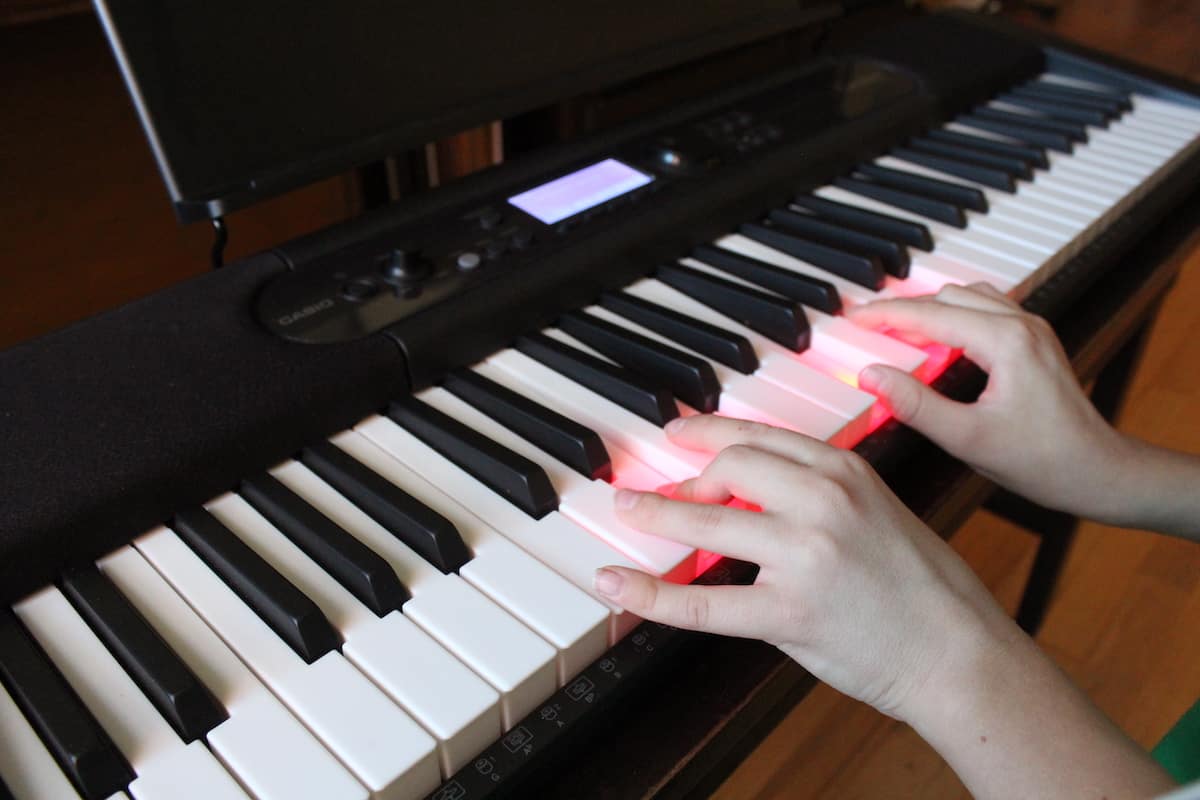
[980,650]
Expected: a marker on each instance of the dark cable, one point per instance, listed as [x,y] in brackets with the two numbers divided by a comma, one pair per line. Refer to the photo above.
[218,248]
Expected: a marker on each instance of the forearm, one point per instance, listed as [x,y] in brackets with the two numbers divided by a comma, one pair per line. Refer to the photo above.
[1012,725]
[1156,489]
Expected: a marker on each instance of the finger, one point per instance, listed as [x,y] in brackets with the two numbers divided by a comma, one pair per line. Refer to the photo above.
[724,610]
[947,423]
[716,528]
[993,292]
[749,473]
[713,433]
[969,329]
[979,296]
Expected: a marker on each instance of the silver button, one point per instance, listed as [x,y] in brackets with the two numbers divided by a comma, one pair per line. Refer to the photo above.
[469,260]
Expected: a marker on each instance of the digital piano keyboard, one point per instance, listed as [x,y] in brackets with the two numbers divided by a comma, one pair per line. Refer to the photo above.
[324,523]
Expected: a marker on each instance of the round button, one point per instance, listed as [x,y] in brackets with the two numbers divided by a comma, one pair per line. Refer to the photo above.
[494,250]
[490,218]
[403,264]
[468,260]
[522,240]
[359,289]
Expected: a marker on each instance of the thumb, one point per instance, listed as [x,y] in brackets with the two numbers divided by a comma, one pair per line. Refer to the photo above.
[947,423]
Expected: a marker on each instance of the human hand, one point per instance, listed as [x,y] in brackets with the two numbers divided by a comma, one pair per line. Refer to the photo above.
[851,584]
[1032,429]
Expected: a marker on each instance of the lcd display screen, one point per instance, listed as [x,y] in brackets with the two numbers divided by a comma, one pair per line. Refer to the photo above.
[582,189]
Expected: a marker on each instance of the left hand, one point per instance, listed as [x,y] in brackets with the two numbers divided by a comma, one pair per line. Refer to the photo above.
[852,585]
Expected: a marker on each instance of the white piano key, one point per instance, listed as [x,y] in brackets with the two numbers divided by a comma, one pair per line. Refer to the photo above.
[1106,146]
[1044,231]
[1099,157]
[459,709]
[588,502]
[857,347]
[933,268]
[515,661]
[165,766]
[1112,187]
[1004,239]
[28,769]
[1146,127]
[750,397]
[1048,190]
[261,742]
[554,540]
[1128,142]
[392,755]
[777,364]
[563,615]
[1188,116]
[520,665]
[644,440]
[1033,213]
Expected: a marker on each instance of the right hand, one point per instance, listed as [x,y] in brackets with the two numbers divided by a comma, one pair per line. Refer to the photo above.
[1032,429]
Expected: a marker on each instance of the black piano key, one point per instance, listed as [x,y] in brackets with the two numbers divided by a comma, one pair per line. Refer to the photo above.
[988,176]
[627,389]
[522,482]
[362,571]
[812,292]
[778,318]
[1015,166]
[82,749]
[1059,110]
[1021,133]
[5,792]
[691,379]
[575,445]
[1116,102]
[926,206]
[891,254]
[865,270]
[1072,130]
[956,194]
[426,532]
[286,609]
[158,671]
[1034,155]
[913,234]
[1111,108]
[723,346]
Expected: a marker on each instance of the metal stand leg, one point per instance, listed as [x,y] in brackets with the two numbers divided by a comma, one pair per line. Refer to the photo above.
[1055,529]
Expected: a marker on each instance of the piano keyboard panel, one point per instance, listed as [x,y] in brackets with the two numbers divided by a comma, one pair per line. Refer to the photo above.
[445,551]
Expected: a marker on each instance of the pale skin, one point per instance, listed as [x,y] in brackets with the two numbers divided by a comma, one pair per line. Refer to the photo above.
[860,592]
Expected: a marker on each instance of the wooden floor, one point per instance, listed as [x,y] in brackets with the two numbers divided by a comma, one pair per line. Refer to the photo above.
[84,226]
[1124,621]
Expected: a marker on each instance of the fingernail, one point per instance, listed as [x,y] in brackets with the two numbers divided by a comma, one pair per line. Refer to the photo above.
[674,426]
[627,498]
[607,582]
[870,377]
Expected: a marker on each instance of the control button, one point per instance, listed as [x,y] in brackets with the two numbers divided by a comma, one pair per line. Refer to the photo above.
[468,260]
[742,118]
[522,240]
[404,265]
[359,289]
[490,218]
[495,249]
